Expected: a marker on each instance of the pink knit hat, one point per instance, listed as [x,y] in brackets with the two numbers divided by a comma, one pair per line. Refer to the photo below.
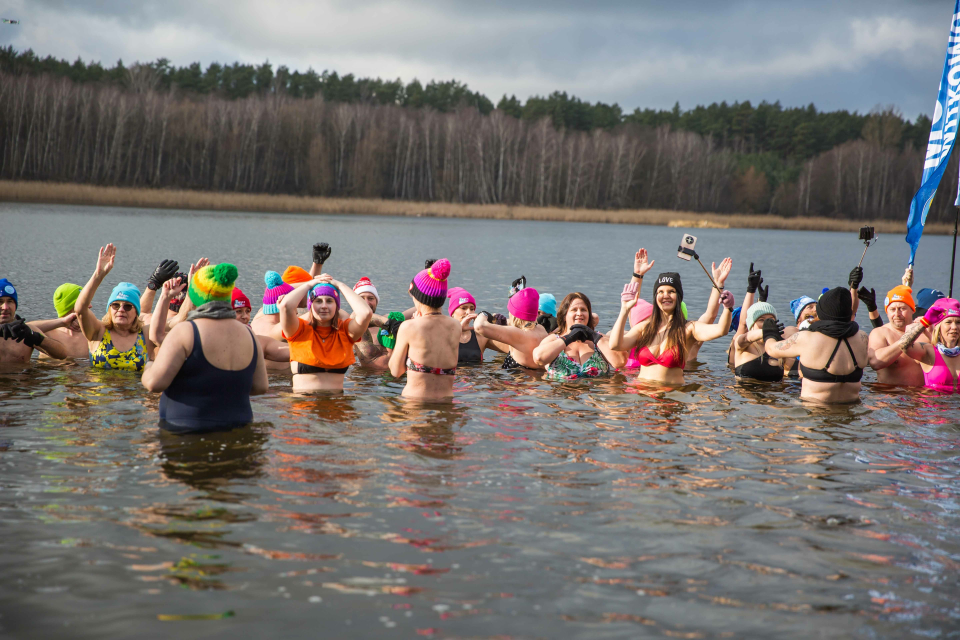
[640,312]
[430,285]
[459,296]
[950,305]
[524,304]
[276,287]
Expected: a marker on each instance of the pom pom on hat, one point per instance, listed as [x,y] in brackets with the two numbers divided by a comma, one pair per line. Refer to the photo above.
[213,283]
[276,287]
[429,287]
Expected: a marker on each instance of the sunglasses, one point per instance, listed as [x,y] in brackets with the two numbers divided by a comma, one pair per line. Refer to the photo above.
[126,306]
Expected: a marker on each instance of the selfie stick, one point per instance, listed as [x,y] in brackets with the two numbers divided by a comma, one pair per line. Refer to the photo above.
[696,256]
[867,242]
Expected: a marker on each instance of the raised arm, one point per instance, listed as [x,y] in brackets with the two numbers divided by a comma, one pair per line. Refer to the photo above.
[703,332]
[548,350]
[164,271]
[640,265]
[920,352]
[628,300]
[506,334]
[360,318]
[720,277]
[158,323]
[89,323]
[398,357]
[289,320]
[776,346]
[321,253]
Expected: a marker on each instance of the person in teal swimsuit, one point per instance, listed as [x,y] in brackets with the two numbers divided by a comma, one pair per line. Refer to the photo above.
[576,350]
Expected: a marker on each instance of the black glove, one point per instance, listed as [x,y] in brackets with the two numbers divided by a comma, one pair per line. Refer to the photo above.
[754,280]
[164,271]
[856,277]
[429,262]
[772,329]
[19,331]
[500,319]
[763,292]
[869,298]
[580,333]
[321,252]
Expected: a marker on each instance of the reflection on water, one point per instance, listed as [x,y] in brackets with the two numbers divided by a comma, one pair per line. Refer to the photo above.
[588,508]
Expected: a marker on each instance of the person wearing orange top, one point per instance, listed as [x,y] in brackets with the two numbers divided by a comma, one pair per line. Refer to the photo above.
[321,347]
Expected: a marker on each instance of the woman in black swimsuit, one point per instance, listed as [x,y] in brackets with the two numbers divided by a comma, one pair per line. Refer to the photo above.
[463,308]
[752,363]
[832,350]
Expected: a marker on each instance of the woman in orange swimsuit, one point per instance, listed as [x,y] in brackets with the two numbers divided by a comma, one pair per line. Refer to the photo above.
[661,342]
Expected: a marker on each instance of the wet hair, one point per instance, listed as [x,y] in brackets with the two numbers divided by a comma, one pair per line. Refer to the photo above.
[108,324]
[526,325]
[568,300]
[676,334]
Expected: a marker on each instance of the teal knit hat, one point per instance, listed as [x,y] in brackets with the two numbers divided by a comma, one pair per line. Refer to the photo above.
[126,292]
[758,309]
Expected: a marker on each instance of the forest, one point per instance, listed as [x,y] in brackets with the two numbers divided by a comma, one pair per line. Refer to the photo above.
[250,128]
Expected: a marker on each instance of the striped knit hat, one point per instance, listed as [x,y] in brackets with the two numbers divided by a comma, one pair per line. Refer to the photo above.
[213,283]
[430,285]
[276,287]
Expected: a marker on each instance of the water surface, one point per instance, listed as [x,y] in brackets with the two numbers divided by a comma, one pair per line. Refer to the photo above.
[525,509]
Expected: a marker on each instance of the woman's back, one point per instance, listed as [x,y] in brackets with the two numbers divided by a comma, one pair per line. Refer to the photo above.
[212,388]
[433,343]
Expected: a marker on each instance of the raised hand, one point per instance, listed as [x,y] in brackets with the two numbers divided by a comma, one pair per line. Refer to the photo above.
[640,263]
[164,271]
[628,299]
[720,273]
[466,320]
[70,321]
[868,297]
[429,262]
[772,330]
[726,299]
[907,279]
[933,317]
[763,293]
[321,252]
[754,279]
[201,263]
[172,288]
[105,259]
[856,277]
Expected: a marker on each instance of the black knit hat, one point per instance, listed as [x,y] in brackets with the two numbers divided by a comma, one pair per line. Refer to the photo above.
[672,279]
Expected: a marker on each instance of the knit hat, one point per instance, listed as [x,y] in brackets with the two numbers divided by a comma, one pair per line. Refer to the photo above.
[548,304]
[672,279]
[65,298]
[951,306]
[927,297]
[798,305]
[295,275]
[458,297]
[640,312]
[524,304]
[7,290]
[276,287]
[238,300]
[213,283]
[365,286]
[835,305]
[902,294]
[758,309]
[324,289]
[429,287]
[126,292]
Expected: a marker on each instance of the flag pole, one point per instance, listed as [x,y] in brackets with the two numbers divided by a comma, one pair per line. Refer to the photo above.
[953,260]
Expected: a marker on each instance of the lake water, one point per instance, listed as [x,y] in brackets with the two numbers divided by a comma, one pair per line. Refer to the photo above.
[525,509]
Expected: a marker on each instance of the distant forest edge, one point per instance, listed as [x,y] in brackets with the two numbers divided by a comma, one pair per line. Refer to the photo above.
[248,128]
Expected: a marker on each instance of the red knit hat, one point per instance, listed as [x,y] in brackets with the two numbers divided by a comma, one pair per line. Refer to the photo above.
[239,300]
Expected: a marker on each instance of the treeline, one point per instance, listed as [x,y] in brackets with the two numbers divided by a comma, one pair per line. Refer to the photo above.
[109,134]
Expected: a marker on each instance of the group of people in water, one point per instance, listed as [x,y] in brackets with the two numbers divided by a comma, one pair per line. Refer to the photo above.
[194,338]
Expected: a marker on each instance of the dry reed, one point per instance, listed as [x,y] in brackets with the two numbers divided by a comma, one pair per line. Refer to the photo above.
[68,193]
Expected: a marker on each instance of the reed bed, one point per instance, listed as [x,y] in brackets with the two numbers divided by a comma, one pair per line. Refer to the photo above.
[82,194]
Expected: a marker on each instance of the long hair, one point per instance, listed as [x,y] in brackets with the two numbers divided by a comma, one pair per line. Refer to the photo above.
[315,322]
[676,334]
[562,327]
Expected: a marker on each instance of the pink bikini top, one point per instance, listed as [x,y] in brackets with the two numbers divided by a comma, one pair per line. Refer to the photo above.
[939,377]
[643,357]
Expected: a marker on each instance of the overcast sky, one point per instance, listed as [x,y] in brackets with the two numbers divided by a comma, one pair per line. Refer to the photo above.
[840,54]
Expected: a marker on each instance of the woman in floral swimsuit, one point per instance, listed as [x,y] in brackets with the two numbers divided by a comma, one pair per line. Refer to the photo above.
[576,350]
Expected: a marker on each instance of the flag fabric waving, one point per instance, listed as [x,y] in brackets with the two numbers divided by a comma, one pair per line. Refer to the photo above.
[943,132]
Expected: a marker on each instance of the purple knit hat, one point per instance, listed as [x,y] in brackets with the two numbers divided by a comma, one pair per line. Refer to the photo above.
[430,285]
[276,287]
[524,304]
[459,296]
[324,289]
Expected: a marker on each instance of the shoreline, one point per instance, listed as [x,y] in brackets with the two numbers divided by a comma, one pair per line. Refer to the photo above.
[82,194]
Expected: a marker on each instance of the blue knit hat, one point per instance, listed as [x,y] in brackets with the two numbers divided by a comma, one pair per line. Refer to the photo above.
[797,306]
[548,303]
[125,292]
[7,290]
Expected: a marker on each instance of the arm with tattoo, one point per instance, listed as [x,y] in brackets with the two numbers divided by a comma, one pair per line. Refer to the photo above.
[918,352]
[785,348]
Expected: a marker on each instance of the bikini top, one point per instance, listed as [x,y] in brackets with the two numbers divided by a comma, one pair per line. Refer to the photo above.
[822,375]
[669,359]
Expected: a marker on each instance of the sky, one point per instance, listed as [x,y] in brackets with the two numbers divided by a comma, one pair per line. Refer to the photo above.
[840,54]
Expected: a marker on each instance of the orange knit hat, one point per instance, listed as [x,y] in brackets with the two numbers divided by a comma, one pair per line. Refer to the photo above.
[294,275]
[902,294]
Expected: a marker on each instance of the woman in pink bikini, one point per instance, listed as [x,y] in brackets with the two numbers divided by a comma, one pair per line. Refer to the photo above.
[660,343]
[940,361]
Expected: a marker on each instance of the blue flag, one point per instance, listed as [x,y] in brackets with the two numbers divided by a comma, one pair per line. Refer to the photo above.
[943,131]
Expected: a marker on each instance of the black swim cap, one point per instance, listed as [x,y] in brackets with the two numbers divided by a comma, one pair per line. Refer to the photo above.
[836,305]
[672,279]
